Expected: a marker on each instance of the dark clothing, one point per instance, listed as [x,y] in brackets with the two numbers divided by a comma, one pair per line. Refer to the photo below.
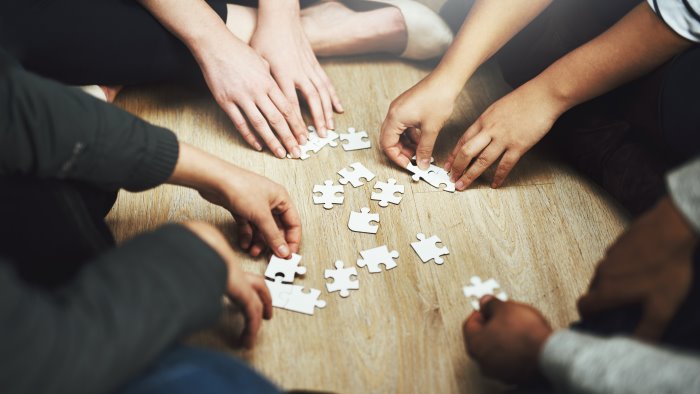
[627,139]
[80,316]
[188,370]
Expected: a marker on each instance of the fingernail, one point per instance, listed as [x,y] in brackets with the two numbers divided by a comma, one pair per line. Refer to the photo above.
[448,166]
[296,152]
[459,185]
[258,147]
[322,131]
[283,250]
[425,163]
[303,140]
[340,107]
[331,124]
[281,153]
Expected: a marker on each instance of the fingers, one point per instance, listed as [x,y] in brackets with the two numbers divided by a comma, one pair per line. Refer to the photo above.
[242,126]
[471,329]
[426,143]
[291,114]
[487,157]
[278,121]
[313,99]
[258,284]
[467,152]
[245,233]
[508,161]
[290,92]
[389,140]
[259,123]
[253,310]
[490,306]
[291,223]
[611,295]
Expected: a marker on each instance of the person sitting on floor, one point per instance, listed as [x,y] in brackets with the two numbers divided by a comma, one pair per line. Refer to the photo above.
[81,315]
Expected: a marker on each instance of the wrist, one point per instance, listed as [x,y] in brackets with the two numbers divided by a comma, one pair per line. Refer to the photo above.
[278,9]
[444,85]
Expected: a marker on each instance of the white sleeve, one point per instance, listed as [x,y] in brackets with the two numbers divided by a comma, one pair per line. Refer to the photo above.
[684,188]
[683,16]
[581,363]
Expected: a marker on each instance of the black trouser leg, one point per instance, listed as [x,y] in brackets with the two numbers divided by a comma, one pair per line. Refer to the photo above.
[50,228]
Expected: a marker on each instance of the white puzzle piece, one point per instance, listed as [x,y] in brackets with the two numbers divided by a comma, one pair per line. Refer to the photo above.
[329,194]
[388,194]
[427,249]
[360,222]
[418,174]
[315,143]
[286,268]
[373,258]
[329,140]
[279,291]
[355,140]
[354,177]
[344,279]
[478,289]
[304,302]
[437,176]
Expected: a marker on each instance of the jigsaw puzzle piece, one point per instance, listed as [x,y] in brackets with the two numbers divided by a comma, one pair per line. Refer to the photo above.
[388,194]
[373,258]
[279,291]
[354,177]
[478,289]
[360,222]
[437,176]
[287,268]
[342,279]
[427,249]
[304,302]
[355,140]
[329,194]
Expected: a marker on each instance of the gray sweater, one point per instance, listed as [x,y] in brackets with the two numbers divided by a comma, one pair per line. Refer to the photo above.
[581,363]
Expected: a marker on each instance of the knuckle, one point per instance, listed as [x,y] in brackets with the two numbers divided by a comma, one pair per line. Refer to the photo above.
[482,161]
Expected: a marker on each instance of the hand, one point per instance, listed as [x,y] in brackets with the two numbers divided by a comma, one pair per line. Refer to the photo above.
[506,339]
[650,264]
[245,289]
[414,121]
[263,210]
[506,130]
[280,40]
[240,81]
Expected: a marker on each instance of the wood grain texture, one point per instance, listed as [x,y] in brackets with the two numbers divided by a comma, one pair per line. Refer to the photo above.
[540,236]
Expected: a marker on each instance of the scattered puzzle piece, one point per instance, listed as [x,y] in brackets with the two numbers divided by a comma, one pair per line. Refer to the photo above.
[355,140]
[286,268]
[388,194]
[353,177]
[344,279]
[315,143]
[279,291]
[304,302]
[478,289]
[361,221]
[373,258]
[329,194]
[427,249]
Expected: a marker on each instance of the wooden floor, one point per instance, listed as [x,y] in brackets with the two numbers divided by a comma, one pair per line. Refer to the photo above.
[540,236]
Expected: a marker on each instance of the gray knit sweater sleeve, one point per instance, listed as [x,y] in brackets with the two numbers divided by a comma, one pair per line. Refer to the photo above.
[581,363]
[684,186]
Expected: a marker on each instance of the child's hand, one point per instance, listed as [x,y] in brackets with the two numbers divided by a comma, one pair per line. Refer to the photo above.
[414,121]
[505,131]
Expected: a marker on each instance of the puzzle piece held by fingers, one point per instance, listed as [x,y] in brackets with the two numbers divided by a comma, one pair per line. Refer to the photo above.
[354,177]
[374,258]
[427,249]
[478,289]
[286,268]
[355,140]
[360,222]
[329,194]
[388,194]
[315,143]
[344,279]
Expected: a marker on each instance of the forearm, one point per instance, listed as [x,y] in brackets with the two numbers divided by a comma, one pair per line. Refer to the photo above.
[48,130]
[270,10]
[579,363]
[634,46]
[194,23]
[487,28]
[112,321]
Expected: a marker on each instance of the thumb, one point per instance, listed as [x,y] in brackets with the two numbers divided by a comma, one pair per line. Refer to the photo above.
[490,306]
[424,151]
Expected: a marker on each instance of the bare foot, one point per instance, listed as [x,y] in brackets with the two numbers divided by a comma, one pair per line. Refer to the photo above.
[334,29]
[111,92]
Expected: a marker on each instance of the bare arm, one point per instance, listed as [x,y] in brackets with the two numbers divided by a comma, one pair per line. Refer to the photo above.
[638,43]
[427,106]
